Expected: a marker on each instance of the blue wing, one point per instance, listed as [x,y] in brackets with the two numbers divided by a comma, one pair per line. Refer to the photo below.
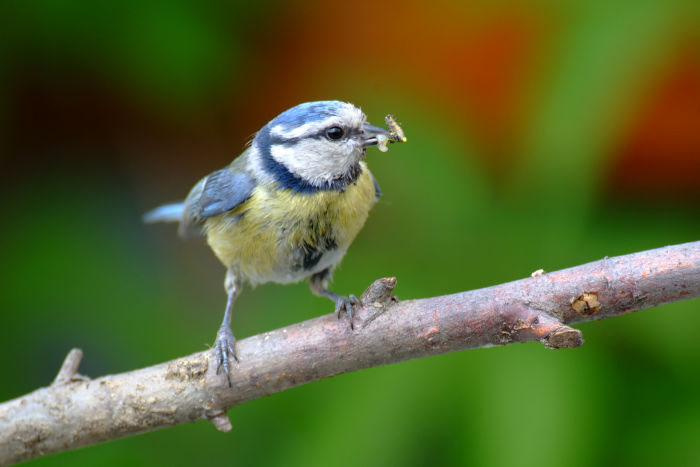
[223,191]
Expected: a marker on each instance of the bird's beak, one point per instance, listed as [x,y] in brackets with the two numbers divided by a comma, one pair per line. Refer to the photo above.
[370,133]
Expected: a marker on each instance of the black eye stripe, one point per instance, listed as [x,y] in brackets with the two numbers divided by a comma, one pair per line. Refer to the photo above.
[289,142]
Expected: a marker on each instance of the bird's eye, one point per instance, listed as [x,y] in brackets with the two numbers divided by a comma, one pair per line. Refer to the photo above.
[335,133]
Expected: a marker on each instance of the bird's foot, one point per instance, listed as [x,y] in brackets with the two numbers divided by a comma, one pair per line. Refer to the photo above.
[348,306]
[225,348]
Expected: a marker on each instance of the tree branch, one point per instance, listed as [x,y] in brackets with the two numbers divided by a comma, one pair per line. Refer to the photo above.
[76,411]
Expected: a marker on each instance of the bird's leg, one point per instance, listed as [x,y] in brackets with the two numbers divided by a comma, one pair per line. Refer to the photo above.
[225,341]
[348,305]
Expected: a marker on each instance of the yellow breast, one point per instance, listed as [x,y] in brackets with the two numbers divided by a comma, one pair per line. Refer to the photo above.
[285,236]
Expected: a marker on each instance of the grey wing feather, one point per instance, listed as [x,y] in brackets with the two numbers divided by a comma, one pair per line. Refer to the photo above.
[219,192]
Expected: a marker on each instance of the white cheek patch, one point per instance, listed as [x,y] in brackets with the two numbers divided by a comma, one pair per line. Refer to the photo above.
[316,161]
[286,155]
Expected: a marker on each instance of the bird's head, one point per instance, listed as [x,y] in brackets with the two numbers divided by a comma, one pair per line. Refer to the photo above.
[316,145]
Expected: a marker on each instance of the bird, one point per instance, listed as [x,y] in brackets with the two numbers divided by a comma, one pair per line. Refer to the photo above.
[288,207]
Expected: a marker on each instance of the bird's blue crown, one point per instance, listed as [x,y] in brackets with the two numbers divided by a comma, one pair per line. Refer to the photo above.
[307,112]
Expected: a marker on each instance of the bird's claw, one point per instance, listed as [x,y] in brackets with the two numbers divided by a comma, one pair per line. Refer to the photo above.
[225,347]
[348,305]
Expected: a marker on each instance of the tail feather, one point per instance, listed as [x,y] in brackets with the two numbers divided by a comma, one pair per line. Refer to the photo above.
[166,213]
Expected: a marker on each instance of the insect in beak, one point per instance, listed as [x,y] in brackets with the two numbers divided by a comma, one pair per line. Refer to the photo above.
[380,136]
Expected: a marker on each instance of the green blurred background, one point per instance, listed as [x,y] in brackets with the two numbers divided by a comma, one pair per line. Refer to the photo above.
[541,134]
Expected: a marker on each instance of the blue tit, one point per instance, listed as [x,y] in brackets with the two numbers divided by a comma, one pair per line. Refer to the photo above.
[288,207]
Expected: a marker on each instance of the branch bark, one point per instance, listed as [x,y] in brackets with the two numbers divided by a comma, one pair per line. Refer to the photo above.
[77,411]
